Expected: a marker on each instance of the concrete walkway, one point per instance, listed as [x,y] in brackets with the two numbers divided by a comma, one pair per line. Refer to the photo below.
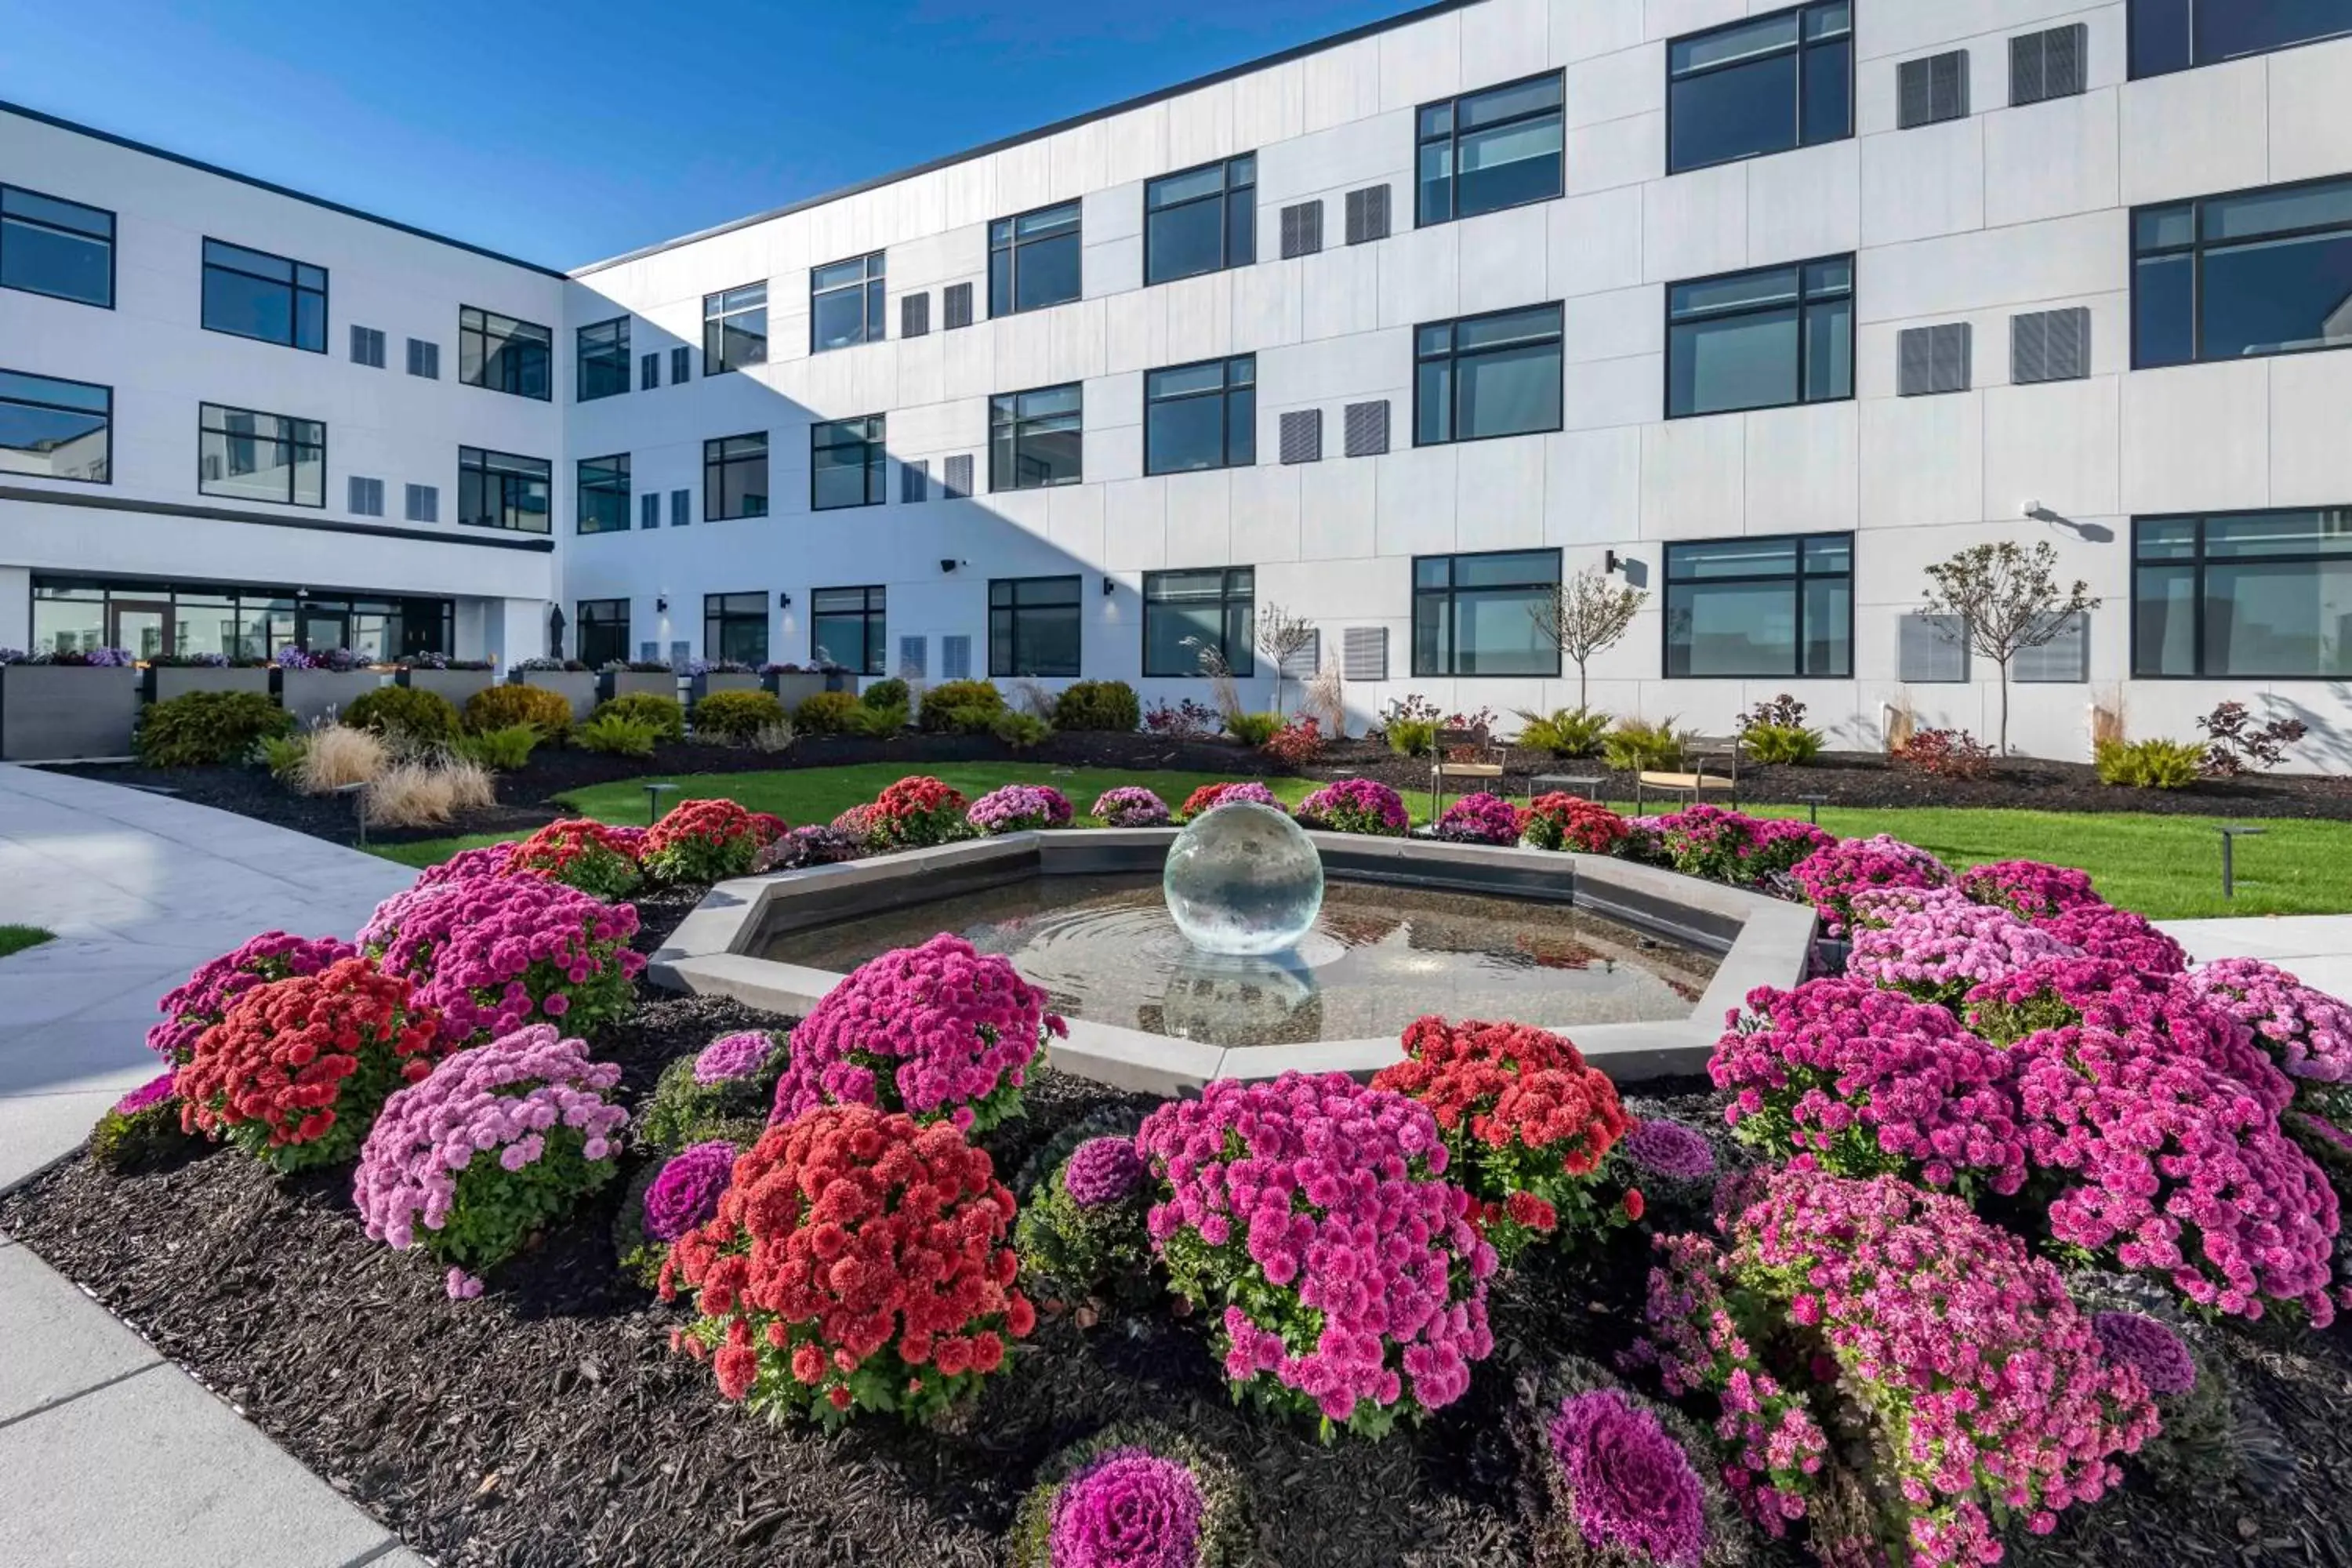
[2315,949]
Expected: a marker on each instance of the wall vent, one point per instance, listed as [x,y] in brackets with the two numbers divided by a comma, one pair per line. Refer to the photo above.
[1302,435]
[1364,428]
[2047,64]
[1302,230]
[2049,345]
[1368,215]
[1931,90]
[1931,360]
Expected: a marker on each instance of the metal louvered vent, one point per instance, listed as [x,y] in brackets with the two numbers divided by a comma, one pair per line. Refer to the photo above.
[955,306]
[1933,89]
[1368,215]
[1305,661]
[1302,435]
[1929,650]
[2047,64]
[1302,230]
[1932,359]
[914,315]
[367,347]
[1364,428]
[649,509]
[648,371]
[914,658]
[424,359]
[2064,659]
[366,497]
[915,481]
[2049,345]
[424,503]
[1364,653]
[956,477]
[955,658]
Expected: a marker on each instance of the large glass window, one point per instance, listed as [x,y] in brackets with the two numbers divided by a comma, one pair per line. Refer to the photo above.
[61,249]
[846,463]
[845,300]
[1487,151]
[1201,417]
[260,457]
[602,350]
[848,627]
[1033,261]
[1761,606]
[499,489]
[1482,614]
[153,617]
[56,429]
[504,354]
[735,329]
[603,484]
[253,294]
[2173,34]
[2240,277]
[735,626]
[1765,85]
[1188,614]
[1486,375]
[2247,596]
[1202,220]
[604,626]
[1033,627]
[1761,340]
[735,476]
[1037,438]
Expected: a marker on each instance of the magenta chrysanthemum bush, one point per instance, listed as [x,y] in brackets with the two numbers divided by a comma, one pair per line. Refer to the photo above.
[1662,1148]
[731,1057]
[2029,890]
[2103,932]
[1937,946]
[1129,806]
[687,1190]
[202,1000]
[1127,1509]
[1102,1171]
[153,1093]
[2139,1342]
[1991,1397]
[1480,818]
[1831,877]
[488,1148]
[1323,1205]
[1020,808]
[938,1030]
[1356,805]
[497,953]
[1631,1486]
[1723,846]
[489,860]
[2308,1033]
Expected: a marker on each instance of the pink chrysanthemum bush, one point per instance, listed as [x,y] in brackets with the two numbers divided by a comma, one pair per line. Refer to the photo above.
[1312,1215]
[1209,796]
[496,954]
[2307,1032]
[2103,931]
[1134,1495]
[497,1141]
[1129,806]
[1869,1317]
[1833,875]
[1479,818]
[200,1001]
[485,860]
[1937,946]
[2029,890]
[1356,805]
[1020,808]
[1722,846]
[940,1030]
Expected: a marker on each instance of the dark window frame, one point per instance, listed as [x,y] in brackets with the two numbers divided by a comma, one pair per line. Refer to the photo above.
[1019,422]
[583,487]
[717,459]
[1241,662]
[2198,561]
[66,408]
[720,308]
[1451,594]
[1454,355]
[2196,250]
[874,460]
[113,245]
[1226,389]
[1451,139]
[720,611]
[476,333]
[1009,668]
[615,343]
[2135,17]
[872,613]
[1014,244]
[205,427]
[294,285]
[873,288]
[1799,47]
[1796,578]
[583,620]
[258,604]
[1851,295]
[1228,239]
[507,478]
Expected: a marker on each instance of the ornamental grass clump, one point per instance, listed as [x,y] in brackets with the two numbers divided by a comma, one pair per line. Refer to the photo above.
[581,852]
[1080,1232]
[1020,808]
[1313,1215]
[1610,1479]
[706,841]
[857,1262]
[1895,1323]
[199,1002]
[1356,805]
[937,1031]
[1134,1495]
[915,814]
[1526,1125]
[497,1141]
[1831,876]
[1209,796]
[1479,818]
[1562,821]
[1129,806]
[296,1071]
[2029,890]
[1937,946]
[495,953]
[2307,1032]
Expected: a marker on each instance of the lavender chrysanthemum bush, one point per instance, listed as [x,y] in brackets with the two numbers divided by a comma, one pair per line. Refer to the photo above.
[1355,805]
[1133,1496]
[815,844]
[1129,806]
[1936,944]
[1102,1171]
[2153,1351]
[1659,1147]
[1019,808]
[736,1055]
[1479,819]
[2307,1032]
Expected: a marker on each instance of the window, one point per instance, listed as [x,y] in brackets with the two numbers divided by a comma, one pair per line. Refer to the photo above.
[681,364]
[499,489]
[1033,261]
[1188,614]
[364,497]
[845,303]
[648,371]
[847,463]
[1033,627]
[1761,606]
[56,429]
[1486,375]
[1490,150]
[2238,277]
[504,354]
[602,350]
[61,249]
[424,503]
[253,294]
[603,484]
[735,626]
[2173,34]
[734,478]
[152,618]
[603,632]
[1202,220]
[1761,86]
[649,509]
[1481,614]
[681,508]
[734,328]
[367,347]
[424,359]
[1761,340]
[260,457]
[847,628]
[1036,438]
[2252,596]
[1201,417]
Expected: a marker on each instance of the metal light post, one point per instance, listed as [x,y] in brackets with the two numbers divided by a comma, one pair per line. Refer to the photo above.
[2231,833]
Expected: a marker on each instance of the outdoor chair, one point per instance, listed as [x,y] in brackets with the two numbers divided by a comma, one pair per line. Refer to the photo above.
[1471,756]
[1713,768]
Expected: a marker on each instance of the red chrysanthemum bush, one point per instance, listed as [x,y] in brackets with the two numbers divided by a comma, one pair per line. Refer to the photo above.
[1526,1122]
[1562,821]
[708,841]
[296,1071]
[857,1262]
[916,813]
[581,852]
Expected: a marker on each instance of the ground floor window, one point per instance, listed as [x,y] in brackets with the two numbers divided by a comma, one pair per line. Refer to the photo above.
[1761,606]
[603,632]
[735,626]
[1483,614]
[1188,614]
[848,627]
[236,621]
[2264,594]
[1033,627]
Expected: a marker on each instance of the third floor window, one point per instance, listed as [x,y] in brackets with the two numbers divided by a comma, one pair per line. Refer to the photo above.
[1037,438]
[504,354]
[1201,417]
[2174,35]
[1487,151]
[1496,375]
[251,456]
[61,249]
[602,352]
[1764,339]
[1202,220]
[735,329]
[1033,261]
[2240,277]
[846,459]
[845,303]
[1765,85]
[253,294]
[734,477]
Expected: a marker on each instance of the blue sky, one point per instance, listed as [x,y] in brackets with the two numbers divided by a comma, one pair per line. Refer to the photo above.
[563,133]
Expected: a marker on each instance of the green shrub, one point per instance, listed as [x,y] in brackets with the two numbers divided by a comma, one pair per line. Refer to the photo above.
[826,712]
[737,715]
[1070,1253]
[403,713]
[890,693]
[1252,729]
[1099,705]
[1789,746]
[664,714]
[204,727]
[960,708]
[283,755]
[501,749]
[1635,746]
[137,1139]
[874,721]
[618,736]
[503,707]
[1022,731]
[1564,733]
[1412,737]
[2150,764]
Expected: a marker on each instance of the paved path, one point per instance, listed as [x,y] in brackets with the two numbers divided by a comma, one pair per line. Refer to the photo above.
[2315,949]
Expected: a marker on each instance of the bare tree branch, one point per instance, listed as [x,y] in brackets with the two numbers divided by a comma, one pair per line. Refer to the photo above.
[1585,616]
[2006,600]
[1281,636]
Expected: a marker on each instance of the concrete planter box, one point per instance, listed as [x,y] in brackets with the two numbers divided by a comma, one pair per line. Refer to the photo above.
[163,682]
[792,690]
[577,687]
[704,685]
[614,683]
[457,685]
[51,713]
[315,696]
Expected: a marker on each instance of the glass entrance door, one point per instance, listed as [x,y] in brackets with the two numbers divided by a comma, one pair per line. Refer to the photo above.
[322,627]
[142,626]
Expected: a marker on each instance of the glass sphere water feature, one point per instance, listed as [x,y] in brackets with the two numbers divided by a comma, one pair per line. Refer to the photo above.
[1244,879]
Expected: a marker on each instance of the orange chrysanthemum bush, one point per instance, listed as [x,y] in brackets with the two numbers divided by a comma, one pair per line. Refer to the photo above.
[1527,1124]
[857,1262]
[296,1071]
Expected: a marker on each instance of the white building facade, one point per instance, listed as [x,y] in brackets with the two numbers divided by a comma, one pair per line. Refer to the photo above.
[1761,308]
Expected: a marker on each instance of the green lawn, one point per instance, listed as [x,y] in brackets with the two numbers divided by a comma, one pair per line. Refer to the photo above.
[2166,868]
[16,938]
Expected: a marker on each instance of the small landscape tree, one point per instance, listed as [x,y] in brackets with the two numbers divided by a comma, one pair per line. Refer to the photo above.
[2006,600]
[1280,637]
[1585,616]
